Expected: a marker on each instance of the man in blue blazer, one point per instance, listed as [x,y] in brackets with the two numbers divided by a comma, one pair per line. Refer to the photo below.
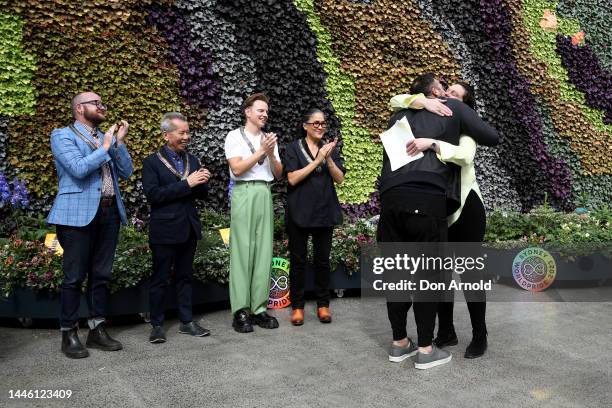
[172,179]
[87,212]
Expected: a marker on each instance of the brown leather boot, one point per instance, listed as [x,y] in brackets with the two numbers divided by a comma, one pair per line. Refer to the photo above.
[297,317]
[324,314]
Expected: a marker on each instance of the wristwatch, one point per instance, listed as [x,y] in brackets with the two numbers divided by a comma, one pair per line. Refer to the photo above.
[433,146]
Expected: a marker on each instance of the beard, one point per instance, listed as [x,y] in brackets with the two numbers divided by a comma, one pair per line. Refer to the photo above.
[94,117]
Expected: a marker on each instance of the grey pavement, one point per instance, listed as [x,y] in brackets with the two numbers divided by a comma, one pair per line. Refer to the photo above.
[540,355]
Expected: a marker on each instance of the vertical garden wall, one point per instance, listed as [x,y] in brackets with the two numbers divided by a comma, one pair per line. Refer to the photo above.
[542,72]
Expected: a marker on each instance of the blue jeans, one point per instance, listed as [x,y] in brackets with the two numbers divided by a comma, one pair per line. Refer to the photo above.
[88,253]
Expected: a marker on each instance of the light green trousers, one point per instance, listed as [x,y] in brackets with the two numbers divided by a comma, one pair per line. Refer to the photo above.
[251,234]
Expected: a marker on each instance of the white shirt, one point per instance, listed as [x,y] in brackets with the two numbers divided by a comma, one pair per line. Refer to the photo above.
[235,146]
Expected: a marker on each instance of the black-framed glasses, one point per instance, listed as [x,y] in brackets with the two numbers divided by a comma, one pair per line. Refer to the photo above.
[96,102]
[317,124]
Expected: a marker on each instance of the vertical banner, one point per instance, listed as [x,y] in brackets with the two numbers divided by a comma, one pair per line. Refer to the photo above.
[279,284]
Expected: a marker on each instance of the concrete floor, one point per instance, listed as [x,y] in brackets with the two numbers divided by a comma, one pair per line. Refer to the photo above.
[540,355]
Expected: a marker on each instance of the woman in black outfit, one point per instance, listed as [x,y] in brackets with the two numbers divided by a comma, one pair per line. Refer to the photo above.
[468,227]
[312,209]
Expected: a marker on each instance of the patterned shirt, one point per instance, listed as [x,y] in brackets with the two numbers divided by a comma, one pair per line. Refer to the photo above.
[107,178]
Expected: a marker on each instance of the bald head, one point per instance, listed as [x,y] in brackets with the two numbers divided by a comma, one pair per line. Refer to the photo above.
[80,98]
[87,108]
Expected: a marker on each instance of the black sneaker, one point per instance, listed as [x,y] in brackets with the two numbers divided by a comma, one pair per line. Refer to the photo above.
[157,335]
[265,321]
[193,329]
[446,340]
[242,322]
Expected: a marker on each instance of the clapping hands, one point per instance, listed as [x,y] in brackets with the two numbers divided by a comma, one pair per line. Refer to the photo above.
[198,177]
[123,127]
[326,151]
[268,143]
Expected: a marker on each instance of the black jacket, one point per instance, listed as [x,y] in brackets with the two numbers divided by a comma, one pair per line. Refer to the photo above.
[428,169]
[173,211]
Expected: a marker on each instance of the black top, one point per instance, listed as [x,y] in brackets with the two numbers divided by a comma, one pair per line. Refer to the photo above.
[429,173]
[173,210]
[313,202]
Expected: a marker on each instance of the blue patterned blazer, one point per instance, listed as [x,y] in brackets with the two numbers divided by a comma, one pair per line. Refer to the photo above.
[79,172]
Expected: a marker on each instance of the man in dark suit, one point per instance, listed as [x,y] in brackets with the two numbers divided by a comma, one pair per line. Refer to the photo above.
[172,179]
[415,201]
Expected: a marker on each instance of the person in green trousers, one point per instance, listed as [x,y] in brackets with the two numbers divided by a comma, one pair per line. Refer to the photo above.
[254,162]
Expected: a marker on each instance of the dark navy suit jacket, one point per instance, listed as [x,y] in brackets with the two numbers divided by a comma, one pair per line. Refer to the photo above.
[173,211]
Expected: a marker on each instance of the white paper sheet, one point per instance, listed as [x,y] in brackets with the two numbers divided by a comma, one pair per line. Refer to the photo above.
[394,141]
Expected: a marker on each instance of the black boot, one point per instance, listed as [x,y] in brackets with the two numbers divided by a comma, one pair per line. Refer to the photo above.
[446,339]
[71,345]
[477,346]
[99,338]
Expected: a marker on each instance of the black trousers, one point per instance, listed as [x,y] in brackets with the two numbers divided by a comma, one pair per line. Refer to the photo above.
[408,216]
[298,248]
[169,259]
[470,227]
[88,253]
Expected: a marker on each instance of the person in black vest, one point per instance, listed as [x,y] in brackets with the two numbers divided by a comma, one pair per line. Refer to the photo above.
[415,201]
[312,209]
[172,180]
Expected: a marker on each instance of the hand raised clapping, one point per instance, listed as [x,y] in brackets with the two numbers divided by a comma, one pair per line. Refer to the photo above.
[108,137]
[326,151]
[268,142]
[123,129]
[198,177]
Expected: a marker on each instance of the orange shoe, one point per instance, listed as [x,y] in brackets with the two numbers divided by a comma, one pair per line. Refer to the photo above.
[297,317]
[324,314]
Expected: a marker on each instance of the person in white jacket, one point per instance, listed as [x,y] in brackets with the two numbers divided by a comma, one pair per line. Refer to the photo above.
[468,223]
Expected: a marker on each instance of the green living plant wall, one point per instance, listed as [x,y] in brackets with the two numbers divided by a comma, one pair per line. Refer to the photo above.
[17,68]
[359,54]
[362,157]
[542,44]
[107,48]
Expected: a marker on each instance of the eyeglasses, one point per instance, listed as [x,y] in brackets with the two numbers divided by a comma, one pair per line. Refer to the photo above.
[96,102]
[317,124]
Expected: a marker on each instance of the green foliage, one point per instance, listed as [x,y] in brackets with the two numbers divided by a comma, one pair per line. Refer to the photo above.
[347,242]
[28,264]
[133,261]
[570,234]
[542,45]
[594,17]
[26,226]
[211,261]
[49,50]
[109,49]
[17,67]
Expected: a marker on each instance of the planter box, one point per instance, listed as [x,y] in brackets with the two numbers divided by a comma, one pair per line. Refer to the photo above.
[45,305]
